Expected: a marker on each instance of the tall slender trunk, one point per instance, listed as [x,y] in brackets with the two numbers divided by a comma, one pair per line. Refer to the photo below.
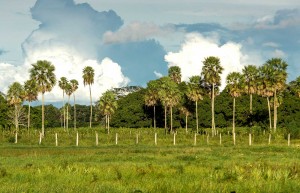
[250,104]
[197,121]
[74,112]
[43,116]
[186,123]
[28,117]
[154,119]
[64,109]
[165,119]
[171,117]
[275,111]
[16,118]
[67,117]
[233,116]
[106,122]
[108,117]
[270,115]
[213,127]
[91,116]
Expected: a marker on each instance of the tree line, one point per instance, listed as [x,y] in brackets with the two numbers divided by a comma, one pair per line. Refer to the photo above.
[174,103]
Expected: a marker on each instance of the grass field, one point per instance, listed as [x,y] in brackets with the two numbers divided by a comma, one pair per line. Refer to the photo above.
[146,167]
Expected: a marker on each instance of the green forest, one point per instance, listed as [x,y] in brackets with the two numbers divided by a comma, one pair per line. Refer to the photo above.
[258,98]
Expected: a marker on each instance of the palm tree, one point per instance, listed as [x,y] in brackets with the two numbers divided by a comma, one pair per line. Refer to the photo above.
[15,96]
[74,87]
[250,73]
[88,79]
[264,87]
[195,93]
[278,81]
[62,83]
[69,92]
[108,105]
[211,72]
[42,73]
[234,83]
[30,94]
[151,97]
[175,74]
[187,113]
[169,95]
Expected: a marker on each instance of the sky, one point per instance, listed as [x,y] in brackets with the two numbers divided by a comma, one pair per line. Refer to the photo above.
[129,42]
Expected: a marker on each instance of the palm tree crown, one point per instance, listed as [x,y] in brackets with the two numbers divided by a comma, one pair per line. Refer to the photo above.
[175,74]
[42,73]
[88,75]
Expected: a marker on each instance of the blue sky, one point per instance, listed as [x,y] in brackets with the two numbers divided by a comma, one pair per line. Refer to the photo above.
[129,42]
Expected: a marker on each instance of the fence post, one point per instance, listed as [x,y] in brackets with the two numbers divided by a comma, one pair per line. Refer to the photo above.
[289,139]
[250,139]
[269,138]
[137,139]
[155,138]
[97,139]
[56,140]
[16,137]
[207,139]
[195,139]
[174,139]
[77,139]
[220,138]
[116,138]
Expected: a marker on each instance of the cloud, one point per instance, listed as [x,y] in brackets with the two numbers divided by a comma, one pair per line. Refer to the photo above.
[197,47]
[136,31]
[158,75]
[70,37]
[281,19]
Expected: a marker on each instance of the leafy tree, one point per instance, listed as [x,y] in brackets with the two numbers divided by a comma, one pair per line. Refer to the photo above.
[211,73]
[250,74]
[151,97]
[169,95]
[62,83]
[3,111]
[42,73]
[30,94]
[195,93]
[88,79]
[69,92]
[175,74]
[235,87]
[277,80]
[15,97]
[108,105]
[74,87]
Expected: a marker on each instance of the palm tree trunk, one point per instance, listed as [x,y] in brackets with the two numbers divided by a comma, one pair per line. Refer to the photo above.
[154,117]
[250,104]
[91,116]
[28,121]
[233,116]
[213,110]
[186,123]
[67,117]
[64,109]
[275,110]
[108,117]
[270,116]
[16,118]
[74,112]
[197,121]
[43,116]
[165,119]
[171,122]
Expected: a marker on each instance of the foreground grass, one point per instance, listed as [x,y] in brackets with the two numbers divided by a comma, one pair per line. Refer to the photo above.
[146,167]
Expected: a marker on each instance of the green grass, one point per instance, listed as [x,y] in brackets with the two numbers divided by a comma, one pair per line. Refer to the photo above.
[145,167]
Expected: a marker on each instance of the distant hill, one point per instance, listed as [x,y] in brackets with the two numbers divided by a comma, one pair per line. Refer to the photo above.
[124,91]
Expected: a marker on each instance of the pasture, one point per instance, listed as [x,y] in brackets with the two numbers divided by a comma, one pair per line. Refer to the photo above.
[137,164]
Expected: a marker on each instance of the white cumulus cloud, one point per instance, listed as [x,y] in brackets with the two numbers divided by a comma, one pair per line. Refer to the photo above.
[196,48]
